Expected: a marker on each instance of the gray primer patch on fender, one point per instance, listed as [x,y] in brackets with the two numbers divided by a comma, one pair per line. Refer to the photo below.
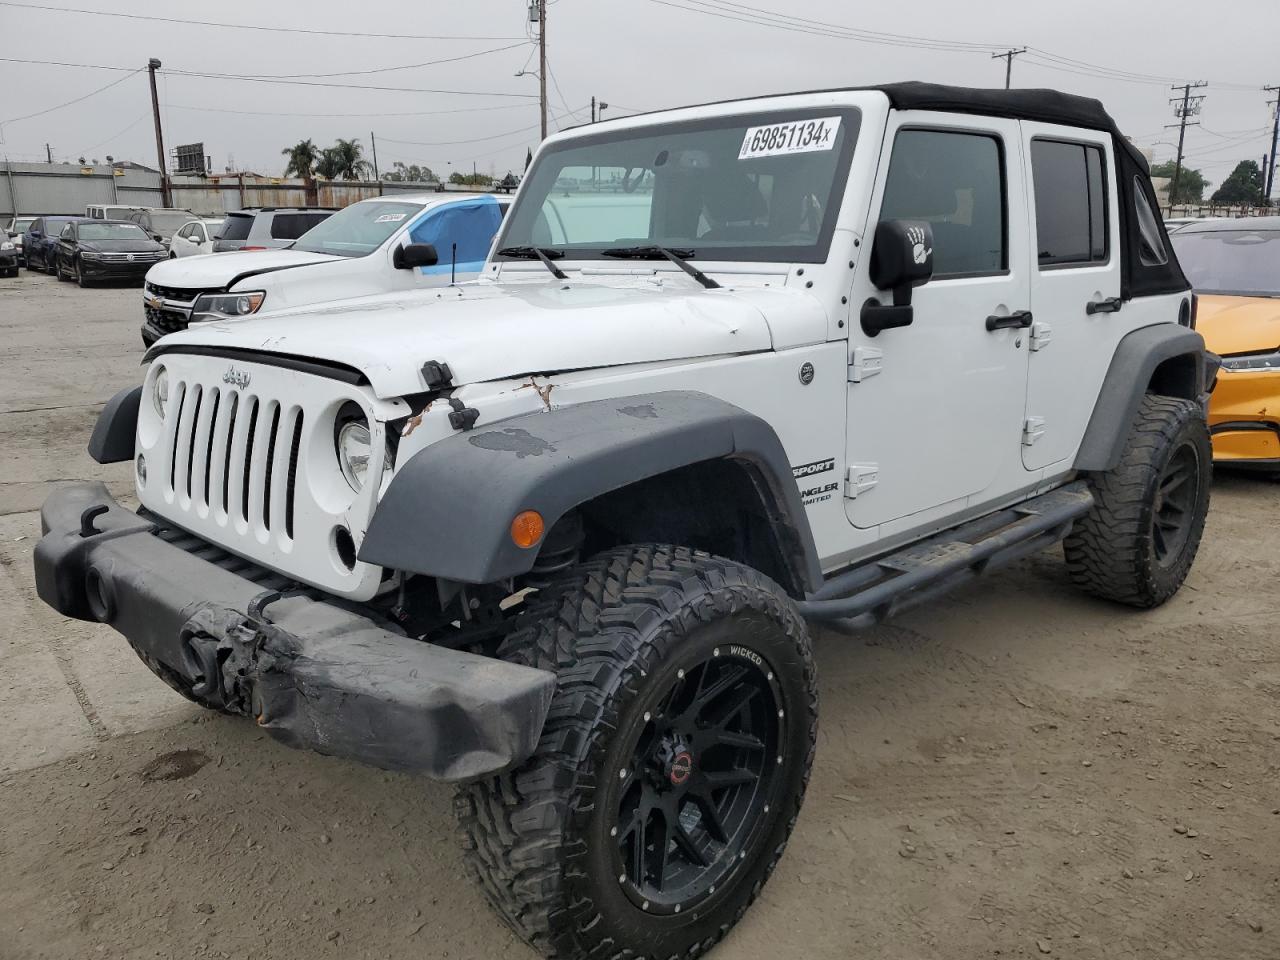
[643,411]
[512,440]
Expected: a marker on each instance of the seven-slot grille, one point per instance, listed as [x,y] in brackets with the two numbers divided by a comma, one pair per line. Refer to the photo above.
[234,456]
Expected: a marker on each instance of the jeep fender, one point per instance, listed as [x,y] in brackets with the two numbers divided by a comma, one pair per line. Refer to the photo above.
[1140,365]
[112,440]
[447,512]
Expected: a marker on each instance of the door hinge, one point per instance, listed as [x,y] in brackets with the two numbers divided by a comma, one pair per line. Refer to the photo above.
[867,362]
[1032,430]
[1040,337]
[860,478]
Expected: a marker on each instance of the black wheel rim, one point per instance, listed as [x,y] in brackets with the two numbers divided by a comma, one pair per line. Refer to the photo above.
[703,762]
[1177,494]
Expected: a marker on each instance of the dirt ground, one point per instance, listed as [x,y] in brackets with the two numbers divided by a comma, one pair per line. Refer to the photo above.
[1014,771]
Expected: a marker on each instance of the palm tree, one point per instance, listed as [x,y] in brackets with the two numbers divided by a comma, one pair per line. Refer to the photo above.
[302,159]
[344,161]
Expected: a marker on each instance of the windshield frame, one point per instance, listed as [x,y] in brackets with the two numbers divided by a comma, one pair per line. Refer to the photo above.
[850,117]
[409,220]
[1186,237]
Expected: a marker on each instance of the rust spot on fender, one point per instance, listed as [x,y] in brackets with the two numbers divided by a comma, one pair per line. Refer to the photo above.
[512,440]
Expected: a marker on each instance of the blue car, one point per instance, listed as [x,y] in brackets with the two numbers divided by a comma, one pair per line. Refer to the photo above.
[41,241]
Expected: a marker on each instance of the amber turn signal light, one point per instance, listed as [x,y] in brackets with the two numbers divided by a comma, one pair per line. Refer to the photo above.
[527,528]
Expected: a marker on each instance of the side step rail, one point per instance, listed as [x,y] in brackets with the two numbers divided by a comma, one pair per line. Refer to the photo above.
[882,588]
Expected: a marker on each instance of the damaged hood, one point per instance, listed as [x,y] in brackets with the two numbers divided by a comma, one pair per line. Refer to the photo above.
[215,271]
[494,331]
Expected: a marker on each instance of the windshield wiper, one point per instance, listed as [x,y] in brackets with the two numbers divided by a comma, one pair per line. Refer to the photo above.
[545,254]
[660,253]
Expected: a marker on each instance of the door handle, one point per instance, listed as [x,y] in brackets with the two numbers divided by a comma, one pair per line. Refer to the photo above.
[1109,305]
[1019,318]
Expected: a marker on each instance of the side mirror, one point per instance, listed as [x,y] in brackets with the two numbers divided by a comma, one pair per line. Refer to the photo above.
[901,258]
[157,238]
[413,255]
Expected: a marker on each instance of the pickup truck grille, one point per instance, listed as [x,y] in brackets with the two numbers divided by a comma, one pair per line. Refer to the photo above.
[168,309]
[235,454]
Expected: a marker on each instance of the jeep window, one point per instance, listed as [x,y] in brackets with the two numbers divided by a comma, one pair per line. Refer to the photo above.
[357,230]
[955,181]
[290,226]
[236,227]
[1235,262]
[1071,225]
[753,187]
[1151,248]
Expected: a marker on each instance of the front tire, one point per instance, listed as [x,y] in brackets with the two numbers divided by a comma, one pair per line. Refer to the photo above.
[672,764]
[1137,544]
[80,278]
[58,271]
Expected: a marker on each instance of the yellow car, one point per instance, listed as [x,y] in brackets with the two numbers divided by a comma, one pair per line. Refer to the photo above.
[1234,266]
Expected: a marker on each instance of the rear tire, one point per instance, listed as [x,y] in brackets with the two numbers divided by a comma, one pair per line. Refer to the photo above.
[672,764]
[1137,544]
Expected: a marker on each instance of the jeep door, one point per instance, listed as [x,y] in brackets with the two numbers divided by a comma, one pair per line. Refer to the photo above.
[1076,270]
[936,408]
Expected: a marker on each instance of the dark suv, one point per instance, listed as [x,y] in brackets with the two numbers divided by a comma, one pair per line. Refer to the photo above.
[264,228]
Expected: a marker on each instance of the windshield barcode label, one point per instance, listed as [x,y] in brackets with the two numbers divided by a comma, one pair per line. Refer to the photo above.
[800,136]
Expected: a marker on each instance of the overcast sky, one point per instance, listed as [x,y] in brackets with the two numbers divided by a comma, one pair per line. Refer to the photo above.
[635,54]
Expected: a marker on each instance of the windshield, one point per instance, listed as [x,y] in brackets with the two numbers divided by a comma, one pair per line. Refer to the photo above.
[21,224]
[166,223]
[757,187]
[112,231]
[357,230]
[1244,261]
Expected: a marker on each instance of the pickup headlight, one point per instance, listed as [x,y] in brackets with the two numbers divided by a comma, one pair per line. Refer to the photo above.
[218,306]
[1253,361]
[7,245]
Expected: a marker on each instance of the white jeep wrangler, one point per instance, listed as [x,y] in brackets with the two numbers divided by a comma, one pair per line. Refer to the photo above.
[556,533]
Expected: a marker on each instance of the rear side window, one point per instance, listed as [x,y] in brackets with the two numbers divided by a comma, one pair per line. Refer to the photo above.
[955,181]
[1151,249]
[1071,202]
[236,228]
[290,226]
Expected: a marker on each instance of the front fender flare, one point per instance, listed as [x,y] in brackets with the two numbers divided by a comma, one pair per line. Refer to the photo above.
[448,510]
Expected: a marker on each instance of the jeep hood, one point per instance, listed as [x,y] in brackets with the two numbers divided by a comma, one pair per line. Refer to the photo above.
[493,331]
[215,271]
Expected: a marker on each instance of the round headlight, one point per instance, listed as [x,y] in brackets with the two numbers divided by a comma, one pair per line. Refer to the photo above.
[354,449]
[160,391]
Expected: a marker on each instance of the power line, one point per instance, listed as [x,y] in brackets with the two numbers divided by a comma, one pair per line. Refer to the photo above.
[405,66]
[1007,57]
[294,113]
[344,34]
[91,93]
[102,143]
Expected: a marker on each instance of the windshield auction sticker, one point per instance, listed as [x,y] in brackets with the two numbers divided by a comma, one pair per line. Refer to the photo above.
[800,136]
[391,218]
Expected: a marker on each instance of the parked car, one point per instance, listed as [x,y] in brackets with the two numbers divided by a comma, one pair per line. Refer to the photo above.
[111,211]
[355,252]
[1173,224]
[8,258]
[14,229]
[41,240]
[558,537]
[91,250]
[161,223]
[1234,266]
[194,238]
[267,228]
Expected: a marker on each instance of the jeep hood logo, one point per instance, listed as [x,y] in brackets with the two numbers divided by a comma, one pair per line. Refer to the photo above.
[237,378]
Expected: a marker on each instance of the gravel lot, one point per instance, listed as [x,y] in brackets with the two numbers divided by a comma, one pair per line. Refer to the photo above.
[1015,771]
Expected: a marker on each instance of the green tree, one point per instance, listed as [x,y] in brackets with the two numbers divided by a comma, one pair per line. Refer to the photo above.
[344,161]
[471,179]
[1244,185]
[302,159]
[411,172]
[1191,182]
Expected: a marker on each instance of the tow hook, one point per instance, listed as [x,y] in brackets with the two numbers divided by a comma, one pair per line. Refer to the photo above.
[87,529]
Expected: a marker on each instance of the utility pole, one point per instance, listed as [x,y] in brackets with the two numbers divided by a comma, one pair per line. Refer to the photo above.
[1007,57]
[373,145]
[593,109]
[1184,107]
[542,62]
[48,153]
[152,66]
[1270,173]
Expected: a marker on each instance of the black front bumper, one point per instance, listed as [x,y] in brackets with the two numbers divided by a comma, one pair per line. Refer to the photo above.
[311,673]
[99,270]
